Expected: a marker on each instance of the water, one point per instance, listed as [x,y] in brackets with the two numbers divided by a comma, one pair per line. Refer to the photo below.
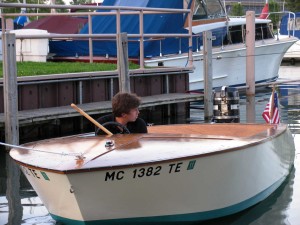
[281,208]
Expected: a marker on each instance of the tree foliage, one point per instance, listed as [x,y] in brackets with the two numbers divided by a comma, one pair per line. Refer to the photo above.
[28,10]
[80,2]
[292,5]
[237,10]
[275,17]
[33,10]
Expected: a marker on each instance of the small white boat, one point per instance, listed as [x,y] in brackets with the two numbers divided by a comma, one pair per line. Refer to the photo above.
[177,173]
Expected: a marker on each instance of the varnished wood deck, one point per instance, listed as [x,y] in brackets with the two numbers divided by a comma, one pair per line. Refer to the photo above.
[163,143]
[220,129]
[44,114]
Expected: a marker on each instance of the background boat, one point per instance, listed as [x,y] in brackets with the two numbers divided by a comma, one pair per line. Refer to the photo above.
[229,61]
[290,26]
[228,39]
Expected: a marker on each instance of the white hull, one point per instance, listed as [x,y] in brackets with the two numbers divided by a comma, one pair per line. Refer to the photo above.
[229,63]
[203,181]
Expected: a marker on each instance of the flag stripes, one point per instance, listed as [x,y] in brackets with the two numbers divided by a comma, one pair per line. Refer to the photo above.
[271,111]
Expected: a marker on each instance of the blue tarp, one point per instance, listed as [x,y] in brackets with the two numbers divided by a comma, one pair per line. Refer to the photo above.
[20,21]
[285,24]
[153,23]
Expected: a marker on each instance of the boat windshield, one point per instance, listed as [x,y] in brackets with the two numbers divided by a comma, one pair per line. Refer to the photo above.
[236,34]
[206,9]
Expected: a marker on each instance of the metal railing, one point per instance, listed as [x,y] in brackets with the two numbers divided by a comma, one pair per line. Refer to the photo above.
[116,11]
[290,14]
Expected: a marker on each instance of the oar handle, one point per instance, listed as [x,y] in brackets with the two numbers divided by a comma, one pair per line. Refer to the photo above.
[90,119]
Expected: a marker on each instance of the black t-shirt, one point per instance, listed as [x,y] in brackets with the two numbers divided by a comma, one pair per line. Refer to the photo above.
[138,126]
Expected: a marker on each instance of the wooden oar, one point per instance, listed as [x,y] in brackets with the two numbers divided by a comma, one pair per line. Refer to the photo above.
[91,119]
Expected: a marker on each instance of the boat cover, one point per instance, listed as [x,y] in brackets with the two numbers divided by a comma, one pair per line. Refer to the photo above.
[286,26]
[153,23]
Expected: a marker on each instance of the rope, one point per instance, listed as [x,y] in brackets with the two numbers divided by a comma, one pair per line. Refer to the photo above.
[79,155]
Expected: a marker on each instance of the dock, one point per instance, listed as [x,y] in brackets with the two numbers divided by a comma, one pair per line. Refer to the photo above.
[44,102]
[35,116]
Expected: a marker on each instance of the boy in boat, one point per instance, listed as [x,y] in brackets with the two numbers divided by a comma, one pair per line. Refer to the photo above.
[124,117]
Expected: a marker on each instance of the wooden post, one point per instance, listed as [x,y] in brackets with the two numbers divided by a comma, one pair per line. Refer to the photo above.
[90,39]
[53,2]
[250,66]
[10,88]
[250,52]
[207,62]
[190,54]
[123,67]
[141,39]
[250,109]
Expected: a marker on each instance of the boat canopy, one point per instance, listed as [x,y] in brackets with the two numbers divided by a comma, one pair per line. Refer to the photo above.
[287,25]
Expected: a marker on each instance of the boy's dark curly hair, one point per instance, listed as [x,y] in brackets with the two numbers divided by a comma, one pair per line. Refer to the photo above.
[124,102]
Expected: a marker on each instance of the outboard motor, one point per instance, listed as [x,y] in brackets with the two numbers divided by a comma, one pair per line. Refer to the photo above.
[226,105]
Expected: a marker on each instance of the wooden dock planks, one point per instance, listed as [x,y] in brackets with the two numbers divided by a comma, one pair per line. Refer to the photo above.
[27,117]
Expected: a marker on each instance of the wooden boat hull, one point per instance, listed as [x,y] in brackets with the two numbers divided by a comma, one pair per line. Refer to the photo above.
[206,183]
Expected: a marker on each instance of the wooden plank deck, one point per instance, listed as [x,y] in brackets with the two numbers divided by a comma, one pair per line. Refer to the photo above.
[35,116]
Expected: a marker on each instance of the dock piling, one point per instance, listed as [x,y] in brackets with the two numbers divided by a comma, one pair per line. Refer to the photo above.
[123,67]
[10,89]
[207,61]
[250,65]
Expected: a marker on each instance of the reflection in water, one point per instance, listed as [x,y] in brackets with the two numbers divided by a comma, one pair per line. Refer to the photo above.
[34,212]
[250,109]
[12,192]
[290,101]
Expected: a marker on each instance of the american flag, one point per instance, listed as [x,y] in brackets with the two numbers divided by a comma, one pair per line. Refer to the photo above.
[271,112]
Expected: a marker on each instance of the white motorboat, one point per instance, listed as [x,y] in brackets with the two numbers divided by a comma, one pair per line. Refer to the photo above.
[179,173]
[229,58]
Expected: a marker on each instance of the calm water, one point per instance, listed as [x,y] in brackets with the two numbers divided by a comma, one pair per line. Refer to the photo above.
[281,208]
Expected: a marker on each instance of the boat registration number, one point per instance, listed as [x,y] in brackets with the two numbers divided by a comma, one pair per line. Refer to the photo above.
[149,171]
[35,173]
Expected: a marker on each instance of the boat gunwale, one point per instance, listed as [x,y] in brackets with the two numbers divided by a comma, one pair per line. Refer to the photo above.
[279,130]
[229,48]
